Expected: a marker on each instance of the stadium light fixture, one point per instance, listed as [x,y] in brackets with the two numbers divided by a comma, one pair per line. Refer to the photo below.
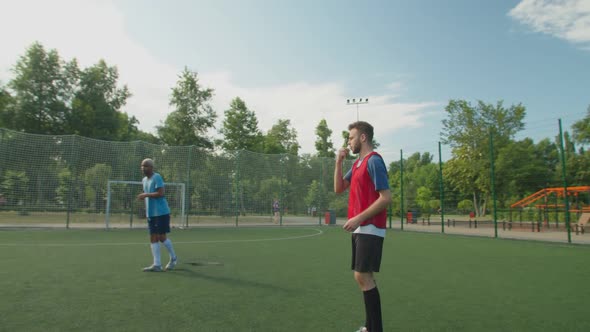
[357,103]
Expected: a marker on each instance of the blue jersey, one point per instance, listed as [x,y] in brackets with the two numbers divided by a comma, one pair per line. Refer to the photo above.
[155,207]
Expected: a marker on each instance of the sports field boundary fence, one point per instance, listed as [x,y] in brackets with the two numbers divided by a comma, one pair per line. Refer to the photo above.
[63,181]
[541,192]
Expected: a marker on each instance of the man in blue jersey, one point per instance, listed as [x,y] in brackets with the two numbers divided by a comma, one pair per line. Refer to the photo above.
[368,199]
[158,215]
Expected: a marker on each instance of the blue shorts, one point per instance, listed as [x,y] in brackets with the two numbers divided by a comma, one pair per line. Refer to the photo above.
[159,224]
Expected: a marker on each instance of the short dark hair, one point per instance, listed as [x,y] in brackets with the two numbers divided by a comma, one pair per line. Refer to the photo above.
[363,128]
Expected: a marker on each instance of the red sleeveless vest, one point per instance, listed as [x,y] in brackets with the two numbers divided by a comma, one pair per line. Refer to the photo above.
[362,193]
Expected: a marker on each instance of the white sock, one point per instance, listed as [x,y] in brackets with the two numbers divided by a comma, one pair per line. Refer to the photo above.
[156,253]
[168,245]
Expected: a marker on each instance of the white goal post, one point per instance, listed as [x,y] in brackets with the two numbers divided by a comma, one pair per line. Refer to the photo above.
[175,195]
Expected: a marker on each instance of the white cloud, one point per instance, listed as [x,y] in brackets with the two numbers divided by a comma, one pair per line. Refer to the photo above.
[565,19]
[77,29]
[306,104]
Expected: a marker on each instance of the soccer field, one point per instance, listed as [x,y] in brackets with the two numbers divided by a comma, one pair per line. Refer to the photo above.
[286,279]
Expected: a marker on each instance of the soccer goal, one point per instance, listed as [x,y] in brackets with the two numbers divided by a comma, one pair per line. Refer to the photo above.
[124,210]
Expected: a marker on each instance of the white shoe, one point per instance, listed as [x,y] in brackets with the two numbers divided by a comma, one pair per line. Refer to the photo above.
[362,329]
[153,268]
[171,264]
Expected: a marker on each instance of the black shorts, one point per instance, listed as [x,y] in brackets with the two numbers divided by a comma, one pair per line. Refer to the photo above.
[366,252]
[159,224]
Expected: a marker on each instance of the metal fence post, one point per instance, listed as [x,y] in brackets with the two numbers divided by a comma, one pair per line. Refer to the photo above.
[401,187]
[563,175]
[441,189]
[493,184]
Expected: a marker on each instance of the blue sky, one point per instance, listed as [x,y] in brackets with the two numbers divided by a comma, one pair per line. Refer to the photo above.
[301,60]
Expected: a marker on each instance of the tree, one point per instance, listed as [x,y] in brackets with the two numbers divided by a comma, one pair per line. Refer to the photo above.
[323,142]
[281,139]
[421,184]
[315,195]
[578,169]
[581,129]
[15,187]
[423,198]
[6,108]
[521,168]
[128,130]
[465,206]
[345,135]
[43,87]
[63,191]
[52,96]
[192,117]
[96,108]
[96,180]
[467,130]
[240,128]
[577,161]
[145,137]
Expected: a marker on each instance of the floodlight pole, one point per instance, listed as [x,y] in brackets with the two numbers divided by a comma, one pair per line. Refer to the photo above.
[357,103]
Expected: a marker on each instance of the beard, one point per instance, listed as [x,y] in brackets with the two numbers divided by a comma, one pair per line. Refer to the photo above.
[356,148]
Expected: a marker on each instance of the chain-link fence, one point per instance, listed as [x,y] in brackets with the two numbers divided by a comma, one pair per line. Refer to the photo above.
[64,181]
[518,189]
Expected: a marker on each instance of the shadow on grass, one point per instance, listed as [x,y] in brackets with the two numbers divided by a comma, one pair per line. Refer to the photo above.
[189,270]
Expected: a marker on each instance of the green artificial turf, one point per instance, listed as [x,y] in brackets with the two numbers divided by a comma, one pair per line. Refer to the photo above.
[286,279]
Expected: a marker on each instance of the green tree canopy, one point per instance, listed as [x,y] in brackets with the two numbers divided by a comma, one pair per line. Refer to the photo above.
[240,128]
[467,130]
[15,187]
[581,129]
[96,108]
[522,168]
[192,117]
[6,107]
[323,142]
[43,89]
[52,96]
[281,138]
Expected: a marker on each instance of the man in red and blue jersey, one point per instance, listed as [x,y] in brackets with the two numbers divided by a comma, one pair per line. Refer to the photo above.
[368,199]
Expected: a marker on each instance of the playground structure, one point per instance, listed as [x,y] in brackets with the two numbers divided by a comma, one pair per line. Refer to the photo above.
[576,206]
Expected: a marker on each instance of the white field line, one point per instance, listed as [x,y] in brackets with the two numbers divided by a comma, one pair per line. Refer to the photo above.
[317,232]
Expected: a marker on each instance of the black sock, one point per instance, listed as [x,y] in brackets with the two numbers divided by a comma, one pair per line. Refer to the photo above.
[373,310]
[367,311]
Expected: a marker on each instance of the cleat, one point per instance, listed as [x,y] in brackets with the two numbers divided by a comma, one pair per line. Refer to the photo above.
[171,264]
[152,268]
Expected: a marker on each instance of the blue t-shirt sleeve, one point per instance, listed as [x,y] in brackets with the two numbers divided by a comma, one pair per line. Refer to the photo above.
[158,181]
[378,172]
[348,175]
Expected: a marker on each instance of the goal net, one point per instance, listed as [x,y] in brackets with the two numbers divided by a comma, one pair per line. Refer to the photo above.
[125,210]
